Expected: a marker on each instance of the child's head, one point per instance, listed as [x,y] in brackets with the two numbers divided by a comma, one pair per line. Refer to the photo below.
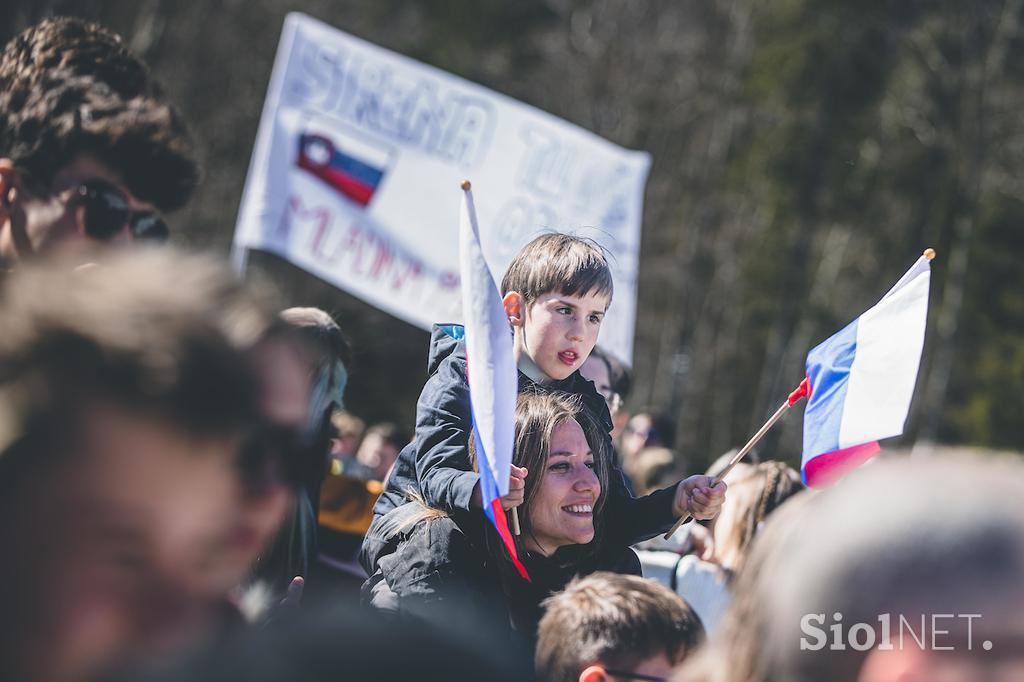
[609,626]
[556,292]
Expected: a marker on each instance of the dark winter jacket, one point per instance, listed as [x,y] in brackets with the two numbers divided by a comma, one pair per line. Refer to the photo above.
[435,466]
[444,568]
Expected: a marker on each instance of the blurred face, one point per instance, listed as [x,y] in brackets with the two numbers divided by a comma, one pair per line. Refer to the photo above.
[555,334]
[378,454]
[596,370]
[561,510]
[285,373]
[42,221]
[637,433]
[122,544]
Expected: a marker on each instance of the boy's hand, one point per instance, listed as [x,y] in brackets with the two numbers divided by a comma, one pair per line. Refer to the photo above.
[516,488]
[699,496]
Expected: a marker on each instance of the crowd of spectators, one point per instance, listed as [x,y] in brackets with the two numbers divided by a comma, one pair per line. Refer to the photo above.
[185,493]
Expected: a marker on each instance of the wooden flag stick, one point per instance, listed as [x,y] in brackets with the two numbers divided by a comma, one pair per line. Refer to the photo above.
[801,391]
[515,521]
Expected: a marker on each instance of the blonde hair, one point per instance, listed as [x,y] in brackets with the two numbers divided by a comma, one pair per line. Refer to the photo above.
[754,492]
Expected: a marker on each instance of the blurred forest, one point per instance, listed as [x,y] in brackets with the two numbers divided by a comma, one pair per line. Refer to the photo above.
[805,153]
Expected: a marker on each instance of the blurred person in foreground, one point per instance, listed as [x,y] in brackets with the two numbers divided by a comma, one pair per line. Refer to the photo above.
[89,151]
[609,627]
[338,642]
[309,360]
[937,553]
[139,477]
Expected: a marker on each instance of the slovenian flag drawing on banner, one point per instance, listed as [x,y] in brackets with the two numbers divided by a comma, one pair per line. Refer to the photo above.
[491,368]
[351,166]
[861,380]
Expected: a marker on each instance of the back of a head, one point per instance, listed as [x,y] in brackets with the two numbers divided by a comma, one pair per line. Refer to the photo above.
[654,468]
[322,332]
[904,540]
[329,356]
[755,491]
[613,620]
[929,536]
[558,263]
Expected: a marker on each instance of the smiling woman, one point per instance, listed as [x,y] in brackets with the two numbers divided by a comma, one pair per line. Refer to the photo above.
[438,564]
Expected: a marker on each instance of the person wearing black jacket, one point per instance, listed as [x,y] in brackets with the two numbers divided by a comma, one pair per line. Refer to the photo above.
[435,563]
[556,292]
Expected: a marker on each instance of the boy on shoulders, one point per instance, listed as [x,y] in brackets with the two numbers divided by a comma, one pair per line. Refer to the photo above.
[556,292]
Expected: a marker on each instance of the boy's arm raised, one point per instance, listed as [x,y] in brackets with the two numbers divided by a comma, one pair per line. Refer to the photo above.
[443,425]
[631,519]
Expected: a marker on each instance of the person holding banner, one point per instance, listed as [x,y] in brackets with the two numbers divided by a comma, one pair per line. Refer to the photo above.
[436,559]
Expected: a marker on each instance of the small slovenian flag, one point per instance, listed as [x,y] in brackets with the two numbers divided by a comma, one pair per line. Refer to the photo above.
[862,380]
[491,367]
[353,168]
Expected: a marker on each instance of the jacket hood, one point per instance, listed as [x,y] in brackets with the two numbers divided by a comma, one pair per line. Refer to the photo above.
[444,339]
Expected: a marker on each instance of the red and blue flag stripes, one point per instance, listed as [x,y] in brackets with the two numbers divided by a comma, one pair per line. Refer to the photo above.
[862,380]
[354,177]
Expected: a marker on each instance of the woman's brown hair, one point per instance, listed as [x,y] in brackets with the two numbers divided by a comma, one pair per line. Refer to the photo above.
[538,413]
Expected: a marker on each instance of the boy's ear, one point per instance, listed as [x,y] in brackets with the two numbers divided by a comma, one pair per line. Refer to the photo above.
[594,673]
[514,308]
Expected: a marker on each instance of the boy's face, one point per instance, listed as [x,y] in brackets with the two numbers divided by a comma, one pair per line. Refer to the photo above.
[555,334]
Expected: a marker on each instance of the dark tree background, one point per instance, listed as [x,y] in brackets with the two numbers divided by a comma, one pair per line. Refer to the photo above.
[805,153]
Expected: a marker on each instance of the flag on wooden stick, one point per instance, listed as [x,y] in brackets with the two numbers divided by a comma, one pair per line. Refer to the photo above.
[861,380]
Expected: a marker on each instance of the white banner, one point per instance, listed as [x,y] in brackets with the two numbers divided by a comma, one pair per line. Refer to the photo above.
[357,165]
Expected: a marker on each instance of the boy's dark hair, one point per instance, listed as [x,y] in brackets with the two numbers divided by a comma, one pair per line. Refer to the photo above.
[614,620]
[558,262]
[159,335]
[69,87]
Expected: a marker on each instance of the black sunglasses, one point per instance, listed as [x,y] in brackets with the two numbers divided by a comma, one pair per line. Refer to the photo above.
[106,212]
